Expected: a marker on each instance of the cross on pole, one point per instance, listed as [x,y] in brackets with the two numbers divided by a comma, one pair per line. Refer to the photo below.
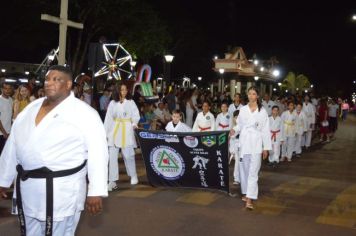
[63,24]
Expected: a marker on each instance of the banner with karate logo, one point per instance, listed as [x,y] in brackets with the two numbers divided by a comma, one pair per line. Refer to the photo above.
[188,160]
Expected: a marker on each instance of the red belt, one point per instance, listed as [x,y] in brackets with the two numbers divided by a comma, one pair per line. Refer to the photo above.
[274,135]
[223,126]
[203,129]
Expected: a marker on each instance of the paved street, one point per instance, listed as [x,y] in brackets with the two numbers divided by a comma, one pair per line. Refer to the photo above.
[314,195]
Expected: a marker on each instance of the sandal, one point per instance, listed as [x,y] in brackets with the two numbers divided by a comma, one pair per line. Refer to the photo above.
[244,199]
[249,206]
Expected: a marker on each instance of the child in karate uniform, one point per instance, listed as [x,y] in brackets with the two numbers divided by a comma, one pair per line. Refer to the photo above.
[205,121]
[276,127]
[224,119]
[176,125]
[289,118]
[234,149]
[301,128]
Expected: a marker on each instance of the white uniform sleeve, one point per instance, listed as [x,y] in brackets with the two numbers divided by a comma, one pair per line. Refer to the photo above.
[266,133]
[195,126]
[305,122]
[313,114]
[109,119]
[217,122]
[169,127]
[281,128]
[135,113]
[8,162]
[95,139]
[186,128]
[213,123]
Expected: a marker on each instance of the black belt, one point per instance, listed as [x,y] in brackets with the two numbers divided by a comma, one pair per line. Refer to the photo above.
[41,173]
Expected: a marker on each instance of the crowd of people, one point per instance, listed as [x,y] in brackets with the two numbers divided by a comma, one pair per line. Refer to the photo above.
[293,121]
[55,135]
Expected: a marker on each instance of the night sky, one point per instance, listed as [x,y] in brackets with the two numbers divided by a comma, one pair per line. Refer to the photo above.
[318,40]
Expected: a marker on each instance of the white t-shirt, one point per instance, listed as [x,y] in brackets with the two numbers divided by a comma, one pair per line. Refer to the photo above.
[162,114]
[6,113]
[333,110]
[268,106]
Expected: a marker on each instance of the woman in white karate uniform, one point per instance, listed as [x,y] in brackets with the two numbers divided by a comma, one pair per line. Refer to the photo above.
[120,121]
[255,141]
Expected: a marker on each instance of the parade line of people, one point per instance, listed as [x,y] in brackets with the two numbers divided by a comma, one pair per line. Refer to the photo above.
[53,145]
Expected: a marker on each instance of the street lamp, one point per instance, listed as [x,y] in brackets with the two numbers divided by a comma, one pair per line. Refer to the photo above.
[51,57]
[276,73]
[215,57]
[279,84]
[168,59]
[255,62]
[354,17]
[133,63]
[221,80]
[262,68]
[311,86]
[3,70]
[27,73]
[256,78]
[199,78]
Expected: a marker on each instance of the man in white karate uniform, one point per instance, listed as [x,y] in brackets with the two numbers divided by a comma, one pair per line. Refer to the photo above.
[176,125]
[55,142]
[309,110]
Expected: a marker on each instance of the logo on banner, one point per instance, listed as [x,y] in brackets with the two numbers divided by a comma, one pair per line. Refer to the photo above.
[191,141]
[167,137]
[208,141]
[222,139]
[200,161]
[167,162]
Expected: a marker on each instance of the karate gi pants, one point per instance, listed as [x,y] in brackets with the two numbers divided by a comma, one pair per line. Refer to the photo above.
[298,144]
[128,154]
[288,147]
[249,167]
[275,153]
[306,139]
[65,227]
[236,168]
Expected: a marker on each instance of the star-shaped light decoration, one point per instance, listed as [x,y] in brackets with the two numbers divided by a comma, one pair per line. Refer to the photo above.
[117,62]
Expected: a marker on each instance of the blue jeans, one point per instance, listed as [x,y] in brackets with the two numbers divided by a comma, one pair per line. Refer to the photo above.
[344,114]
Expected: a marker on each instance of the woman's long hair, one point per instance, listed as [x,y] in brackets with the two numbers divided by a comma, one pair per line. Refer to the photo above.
[254,88]
[116,94]
[18,96]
